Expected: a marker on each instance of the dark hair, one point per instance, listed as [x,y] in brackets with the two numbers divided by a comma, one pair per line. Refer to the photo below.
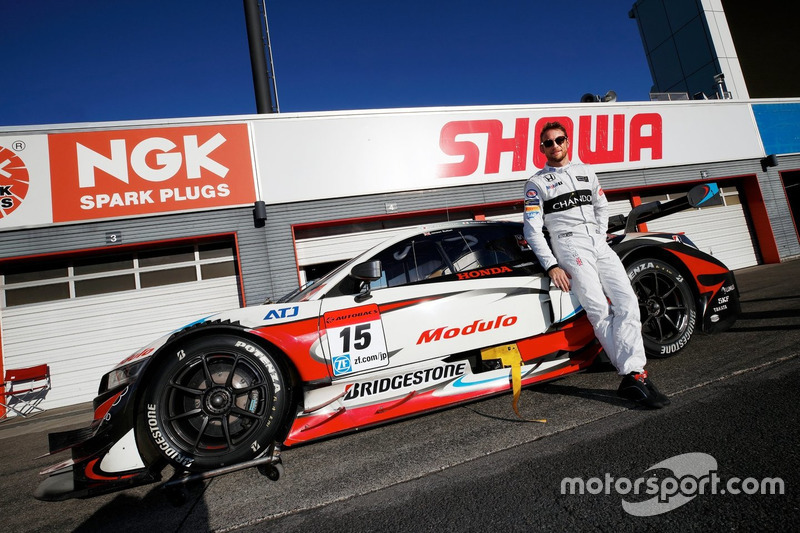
[552,126]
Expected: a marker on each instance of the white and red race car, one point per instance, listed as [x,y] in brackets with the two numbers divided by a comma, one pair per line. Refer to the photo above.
[448,314]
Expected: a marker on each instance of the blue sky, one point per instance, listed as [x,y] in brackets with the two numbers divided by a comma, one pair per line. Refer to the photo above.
[70,61]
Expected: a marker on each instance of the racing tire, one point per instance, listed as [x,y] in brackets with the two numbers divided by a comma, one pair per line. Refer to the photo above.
[213,402]
[666,304]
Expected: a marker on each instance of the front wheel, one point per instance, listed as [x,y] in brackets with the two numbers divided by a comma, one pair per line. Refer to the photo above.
[666,306]
[213,401]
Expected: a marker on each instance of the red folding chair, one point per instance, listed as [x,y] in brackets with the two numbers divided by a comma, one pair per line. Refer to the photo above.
[25,388]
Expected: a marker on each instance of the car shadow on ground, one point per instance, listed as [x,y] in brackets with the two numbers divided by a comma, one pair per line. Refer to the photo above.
[153,512]
[557,388]
[600,395]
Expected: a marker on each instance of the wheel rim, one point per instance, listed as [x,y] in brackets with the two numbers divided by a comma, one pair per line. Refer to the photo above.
[663,306]
[215,403]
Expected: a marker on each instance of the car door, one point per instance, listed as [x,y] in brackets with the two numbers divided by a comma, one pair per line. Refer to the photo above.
[440,293]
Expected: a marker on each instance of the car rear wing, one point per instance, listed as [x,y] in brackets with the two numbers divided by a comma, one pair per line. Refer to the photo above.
[704,195]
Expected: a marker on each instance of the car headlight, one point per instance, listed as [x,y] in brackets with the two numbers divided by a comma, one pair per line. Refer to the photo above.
[120,377]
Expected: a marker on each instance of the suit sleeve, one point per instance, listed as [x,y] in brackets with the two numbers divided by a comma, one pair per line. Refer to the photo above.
[533,222]
[599,202]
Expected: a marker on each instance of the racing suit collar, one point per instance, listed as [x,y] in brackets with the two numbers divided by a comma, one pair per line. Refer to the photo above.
[557,170]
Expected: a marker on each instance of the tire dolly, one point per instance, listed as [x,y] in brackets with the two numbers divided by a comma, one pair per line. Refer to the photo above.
[269,465]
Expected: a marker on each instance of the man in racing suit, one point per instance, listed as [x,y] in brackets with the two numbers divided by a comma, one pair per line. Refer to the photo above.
[568,200]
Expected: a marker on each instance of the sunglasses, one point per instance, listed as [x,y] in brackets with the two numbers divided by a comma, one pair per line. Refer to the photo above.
[558,140]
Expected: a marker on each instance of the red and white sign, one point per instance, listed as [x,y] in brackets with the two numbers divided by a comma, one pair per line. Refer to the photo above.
[24,181]
[108,173]
[601,139]
[120,173]
[375,152]
[14,181]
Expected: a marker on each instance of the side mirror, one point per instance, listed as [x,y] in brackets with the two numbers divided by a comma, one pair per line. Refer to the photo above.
[369,271]
[366,273]
[704,195]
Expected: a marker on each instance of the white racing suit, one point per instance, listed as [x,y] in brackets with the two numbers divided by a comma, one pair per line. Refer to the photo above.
[571,204]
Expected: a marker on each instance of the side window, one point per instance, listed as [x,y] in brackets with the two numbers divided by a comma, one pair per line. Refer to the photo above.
[464,249]
[410,261]
[490,246]
[425,258]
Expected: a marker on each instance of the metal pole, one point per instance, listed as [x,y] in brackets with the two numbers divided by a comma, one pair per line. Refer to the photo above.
[271,64]
[258,61]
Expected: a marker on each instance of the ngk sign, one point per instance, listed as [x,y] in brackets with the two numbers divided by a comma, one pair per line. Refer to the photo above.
[122,173]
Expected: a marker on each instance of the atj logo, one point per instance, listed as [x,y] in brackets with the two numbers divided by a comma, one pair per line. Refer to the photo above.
[14,181]
[101,174]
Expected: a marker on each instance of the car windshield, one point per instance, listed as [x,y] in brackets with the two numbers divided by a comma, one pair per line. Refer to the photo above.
[310,288]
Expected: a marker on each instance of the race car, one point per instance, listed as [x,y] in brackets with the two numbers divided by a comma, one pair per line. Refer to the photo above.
[447,314]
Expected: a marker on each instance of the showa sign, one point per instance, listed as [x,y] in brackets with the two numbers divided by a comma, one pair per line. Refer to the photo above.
[120,173]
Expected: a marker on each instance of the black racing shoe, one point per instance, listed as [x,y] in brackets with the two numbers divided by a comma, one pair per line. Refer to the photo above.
[639,388]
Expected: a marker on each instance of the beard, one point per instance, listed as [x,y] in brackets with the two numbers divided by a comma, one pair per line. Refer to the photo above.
[559,159]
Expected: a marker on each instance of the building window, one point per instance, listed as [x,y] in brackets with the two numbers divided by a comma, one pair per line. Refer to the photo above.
[47,281]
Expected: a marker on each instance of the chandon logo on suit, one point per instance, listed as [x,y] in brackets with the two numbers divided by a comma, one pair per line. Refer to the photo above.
[569,200]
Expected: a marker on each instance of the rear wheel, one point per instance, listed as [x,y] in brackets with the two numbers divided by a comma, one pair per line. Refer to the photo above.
[212,402]
[666,305]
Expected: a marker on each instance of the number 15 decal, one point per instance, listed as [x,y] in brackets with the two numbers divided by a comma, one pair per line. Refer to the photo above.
[355,339]
[362,337]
